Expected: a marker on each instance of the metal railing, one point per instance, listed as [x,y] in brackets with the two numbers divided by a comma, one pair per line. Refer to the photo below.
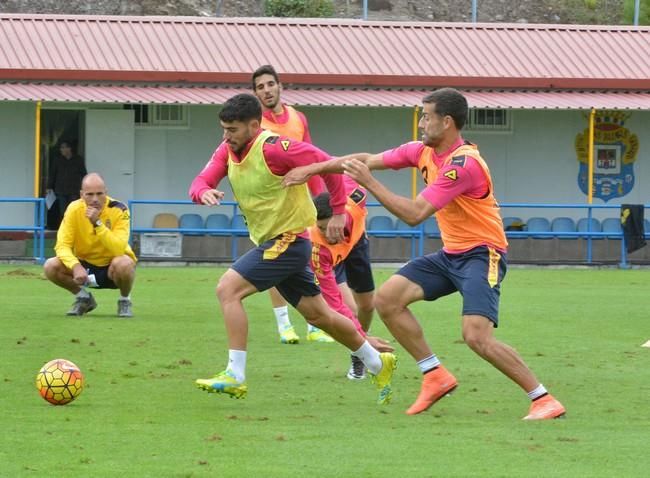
[417,234]
[37,228]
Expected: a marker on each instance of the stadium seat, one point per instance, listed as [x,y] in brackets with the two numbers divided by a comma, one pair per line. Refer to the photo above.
[218,221]
[539,224]
[402,226]
[191,221]
[583,226]
[165,220]
[509,220]
[564,225]
[238,225]
[613,226]
[431,228]
[381,223]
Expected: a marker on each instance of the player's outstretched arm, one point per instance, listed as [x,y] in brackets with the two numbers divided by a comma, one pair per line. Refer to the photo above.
[412,212]
[302,174]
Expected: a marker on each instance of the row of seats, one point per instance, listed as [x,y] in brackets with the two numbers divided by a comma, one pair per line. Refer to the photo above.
[198,225]
[566,225]
[385,226]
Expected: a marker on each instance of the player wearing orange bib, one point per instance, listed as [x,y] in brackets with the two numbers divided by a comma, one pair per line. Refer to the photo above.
[343,268]
[459,191]
[286,121]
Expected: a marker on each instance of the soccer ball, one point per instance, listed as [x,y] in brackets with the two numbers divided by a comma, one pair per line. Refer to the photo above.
[59,381]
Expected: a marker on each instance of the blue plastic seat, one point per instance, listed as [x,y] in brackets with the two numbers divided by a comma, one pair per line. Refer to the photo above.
[431,228]
[509,220]
[646,227]
[191,221]
[238,225]
[218,221]
[564,225]
[613,226]
[381,223]
[402,226]
[584,226]
[539,224]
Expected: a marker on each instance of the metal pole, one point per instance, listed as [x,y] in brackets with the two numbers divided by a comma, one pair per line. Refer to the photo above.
[364,15]
[636,12]
[475,10]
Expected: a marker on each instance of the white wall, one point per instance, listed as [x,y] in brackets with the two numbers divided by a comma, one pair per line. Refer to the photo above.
[16,162]
[536,162]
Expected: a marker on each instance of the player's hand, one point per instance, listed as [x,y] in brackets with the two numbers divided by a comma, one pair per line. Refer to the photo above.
[299,175]
[379,344]
[79,274]
[335,228]
[92,213]
[358,171]
[212,197]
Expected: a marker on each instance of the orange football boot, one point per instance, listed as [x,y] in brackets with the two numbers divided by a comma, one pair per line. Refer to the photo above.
[545,408]
[435,385]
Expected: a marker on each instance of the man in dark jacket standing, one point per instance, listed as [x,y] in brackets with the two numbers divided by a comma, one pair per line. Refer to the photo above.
[67,171]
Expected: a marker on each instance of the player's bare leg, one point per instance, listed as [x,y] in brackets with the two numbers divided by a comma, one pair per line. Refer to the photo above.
[392,300]
[60,275]
[122,272]
[56,272]
[478,333]
[231,290]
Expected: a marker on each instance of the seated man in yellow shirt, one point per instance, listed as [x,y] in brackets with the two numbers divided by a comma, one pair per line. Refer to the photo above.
[92,249]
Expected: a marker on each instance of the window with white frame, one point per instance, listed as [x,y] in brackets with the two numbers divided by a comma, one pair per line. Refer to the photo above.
[483,119]
[160,115]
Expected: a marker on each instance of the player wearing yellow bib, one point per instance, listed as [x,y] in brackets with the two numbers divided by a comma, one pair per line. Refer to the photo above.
[255,162]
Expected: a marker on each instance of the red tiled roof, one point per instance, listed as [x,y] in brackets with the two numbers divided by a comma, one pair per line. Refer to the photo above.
[323,52]
[322,96]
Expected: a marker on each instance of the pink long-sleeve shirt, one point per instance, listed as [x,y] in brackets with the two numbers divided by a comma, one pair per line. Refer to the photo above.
[470,178]
[315,183]
[280,160]
[324,269]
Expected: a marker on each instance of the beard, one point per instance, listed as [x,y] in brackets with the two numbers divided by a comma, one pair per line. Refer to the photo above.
[271,103]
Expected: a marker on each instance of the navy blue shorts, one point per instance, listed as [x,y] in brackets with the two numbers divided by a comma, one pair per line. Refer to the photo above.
[476,274]
[282,262]
[101,275]
[355,269]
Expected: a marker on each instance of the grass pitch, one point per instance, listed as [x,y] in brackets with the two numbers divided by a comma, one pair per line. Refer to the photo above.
[141,416]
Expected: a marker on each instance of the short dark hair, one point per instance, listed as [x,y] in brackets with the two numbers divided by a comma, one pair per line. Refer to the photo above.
[69,143]
[323,207]
[265,70]
[242,107]
[449,102]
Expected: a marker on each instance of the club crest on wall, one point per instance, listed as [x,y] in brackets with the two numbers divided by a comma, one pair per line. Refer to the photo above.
[615,150]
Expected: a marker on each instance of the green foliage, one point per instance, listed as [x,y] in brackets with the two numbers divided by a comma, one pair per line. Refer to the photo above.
[141,416]
[299,8]
[588,12]
[644,12]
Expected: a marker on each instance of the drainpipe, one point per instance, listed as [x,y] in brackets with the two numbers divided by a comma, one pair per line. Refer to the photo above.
[37,151]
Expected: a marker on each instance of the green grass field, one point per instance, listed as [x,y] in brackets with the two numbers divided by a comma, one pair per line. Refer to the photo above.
[141,416]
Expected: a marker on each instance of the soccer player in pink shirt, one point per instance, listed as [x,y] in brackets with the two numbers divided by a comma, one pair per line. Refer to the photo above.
[277,218]
[343,268]
[459,191]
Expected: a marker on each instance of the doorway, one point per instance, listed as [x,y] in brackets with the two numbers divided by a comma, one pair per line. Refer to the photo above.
[58,126]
